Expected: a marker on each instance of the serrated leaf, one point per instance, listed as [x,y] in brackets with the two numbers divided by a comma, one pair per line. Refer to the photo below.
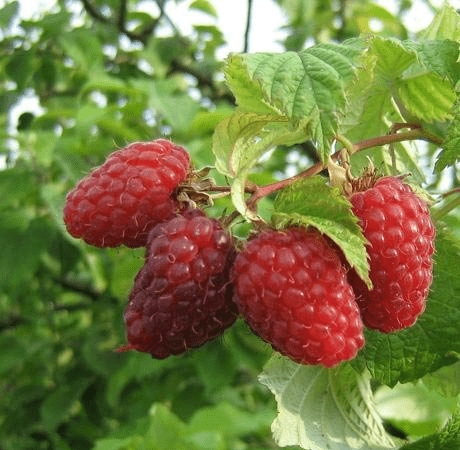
[321,408]
[440,57]
[451,151]
[306,87]
[427,96]
[446,439]
[241,139]
[311,202]
[445,25]
[389,86]
[431,343]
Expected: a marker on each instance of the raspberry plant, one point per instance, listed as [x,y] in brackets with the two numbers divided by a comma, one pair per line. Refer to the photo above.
[297,226]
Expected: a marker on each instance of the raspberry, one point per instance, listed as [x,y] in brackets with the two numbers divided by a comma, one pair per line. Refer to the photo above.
[293,292]
[123,199]
[182,297]
[401,235]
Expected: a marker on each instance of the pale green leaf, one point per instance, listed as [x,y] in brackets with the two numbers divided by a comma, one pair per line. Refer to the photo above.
[399,81]
[242,138]
[204,6]
[427,96]
[84,48]
[440,57]
[451,151]
[445,25]
[311,202]
[321,408]
[445,380]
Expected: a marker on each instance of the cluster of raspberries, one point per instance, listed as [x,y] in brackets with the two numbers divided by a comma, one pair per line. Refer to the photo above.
[292,286]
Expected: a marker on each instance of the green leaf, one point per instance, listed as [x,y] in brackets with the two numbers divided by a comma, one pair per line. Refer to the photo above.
[445,380]
[16,185]
[398,81]
[241,139]
[451,151]
[84,48]
[166,431]
[20,67]
[12,353]
[445,25]
[446,439]
[178,108]
[8,13]
[311,202]
[440,57]
[230,420]
[321,408]
[215,366]
[413,408]
[204,6]
[306,87]
[58,405]
[22,248]
[432,342]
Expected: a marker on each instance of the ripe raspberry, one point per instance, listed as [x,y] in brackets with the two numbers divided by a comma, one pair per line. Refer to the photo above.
[124,198]
[293,292]
[182,296]
[398,227]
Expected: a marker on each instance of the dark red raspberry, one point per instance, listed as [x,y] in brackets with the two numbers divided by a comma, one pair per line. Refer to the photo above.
[401,235]
[293,292]
[124,198]
[182,297]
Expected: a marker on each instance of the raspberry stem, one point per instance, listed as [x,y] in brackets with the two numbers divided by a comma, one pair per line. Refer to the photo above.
[413,134]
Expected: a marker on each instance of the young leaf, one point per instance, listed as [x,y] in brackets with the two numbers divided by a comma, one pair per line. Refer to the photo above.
[431,343]
[305,87]
[445,25]
[389,84]
[241,139]
[451,151]
[311,202]
[321,408]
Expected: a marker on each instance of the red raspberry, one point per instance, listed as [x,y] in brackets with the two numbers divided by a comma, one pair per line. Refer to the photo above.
[293,292]
[122,200]
[401,235]
[182,297]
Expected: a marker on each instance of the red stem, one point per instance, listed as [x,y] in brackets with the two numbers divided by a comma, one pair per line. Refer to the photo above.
[416,133]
